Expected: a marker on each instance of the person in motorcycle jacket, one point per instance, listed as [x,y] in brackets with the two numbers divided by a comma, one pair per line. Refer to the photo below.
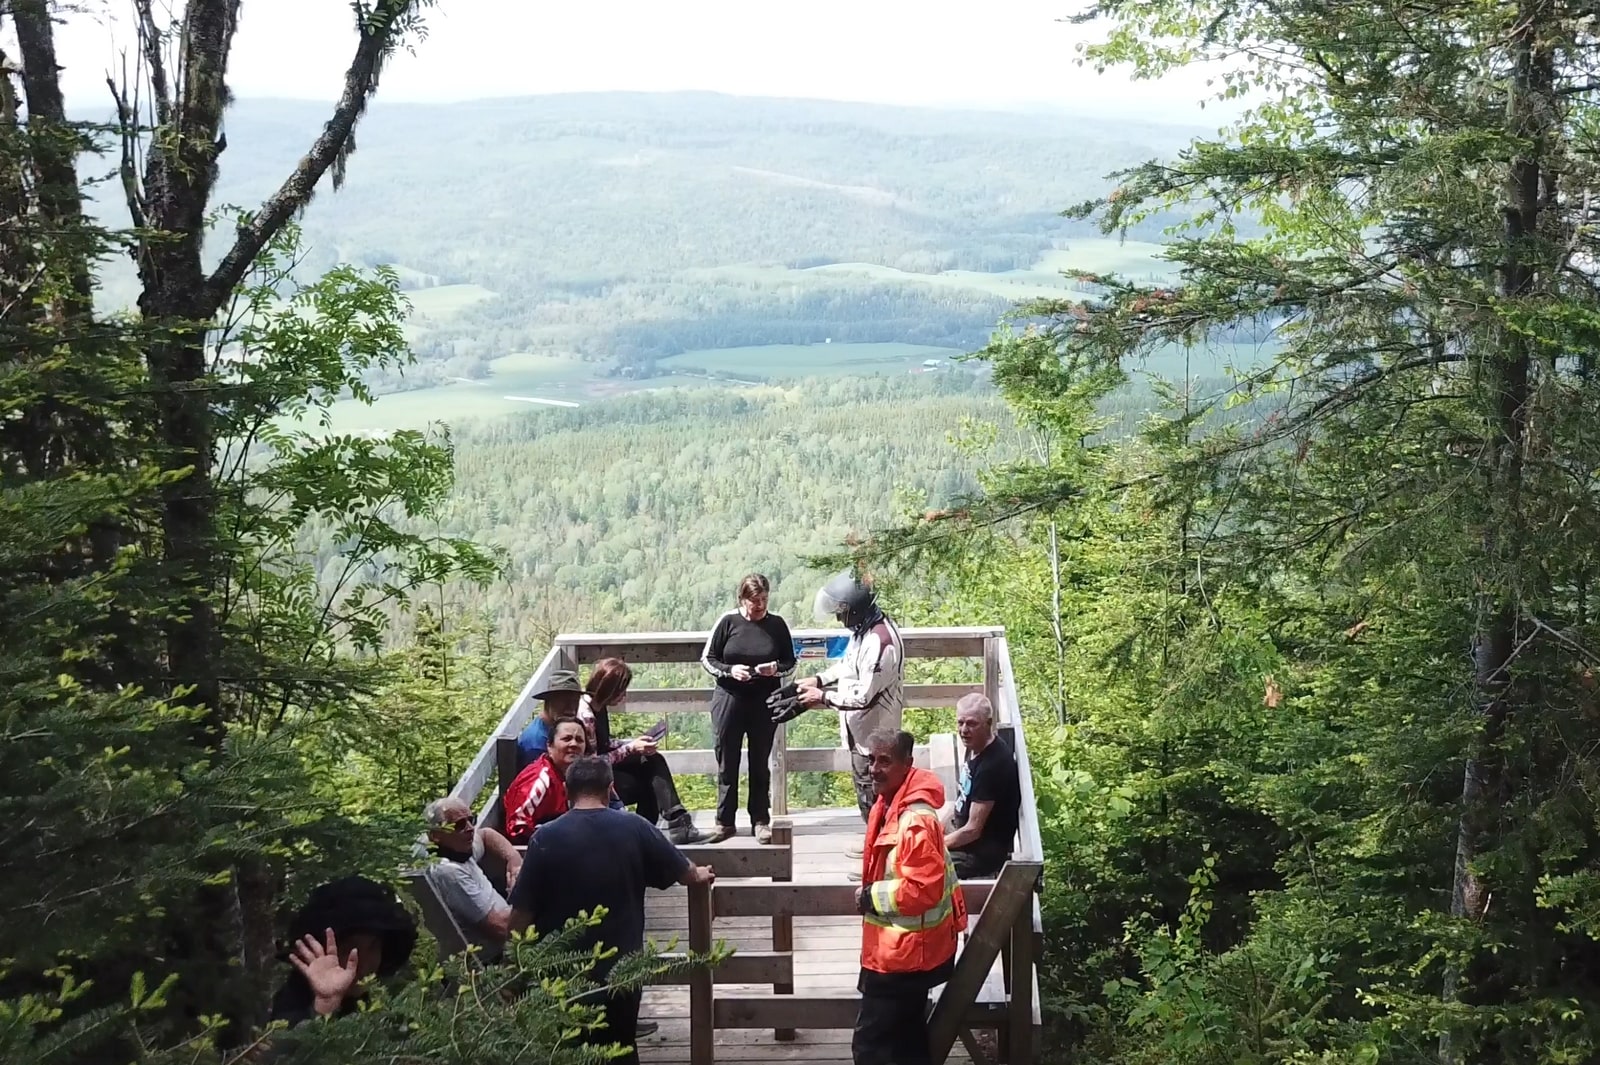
[866,685]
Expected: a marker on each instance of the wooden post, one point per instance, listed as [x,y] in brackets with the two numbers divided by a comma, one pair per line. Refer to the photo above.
[991,676]
[783,923]
[780,771]
[1019,1010]
[506,758]
[702,1034]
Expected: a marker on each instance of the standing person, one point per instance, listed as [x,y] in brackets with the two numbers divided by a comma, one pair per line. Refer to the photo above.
[868,689]
[749,651]
[912,910]
[643,778]
[596,856]
[983,823]
[560,698]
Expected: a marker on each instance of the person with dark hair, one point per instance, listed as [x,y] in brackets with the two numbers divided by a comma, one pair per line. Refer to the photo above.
[749,652]
[348,930]
[912,909]
[599,856]
[643,778]
[538,794]
[560,697]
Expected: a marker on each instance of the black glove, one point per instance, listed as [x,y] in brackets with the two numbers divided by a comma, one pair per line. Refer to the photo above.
[785,703]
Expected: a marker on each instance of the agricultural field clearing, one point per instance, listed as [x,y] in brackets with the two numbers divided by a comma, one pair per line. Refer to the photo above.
[445,301]
[522,381]
[773,361]
[1134,260]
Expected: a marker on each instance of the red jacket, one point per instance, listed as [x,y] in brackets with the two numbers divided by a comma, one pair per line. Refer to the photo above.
[916,911]
[536,795]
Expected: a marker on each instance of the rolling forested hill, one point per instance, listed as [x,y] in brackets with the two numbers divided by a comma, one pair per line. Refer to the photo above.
[625,228]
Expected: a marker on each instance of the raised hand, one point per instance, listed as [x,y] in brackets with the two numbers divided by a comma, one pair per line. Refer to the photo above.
[319,964]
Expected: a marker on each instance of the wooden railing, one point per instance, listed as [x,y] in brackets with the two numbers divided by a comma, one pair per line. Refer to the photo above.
[1006,925]
[1000,913]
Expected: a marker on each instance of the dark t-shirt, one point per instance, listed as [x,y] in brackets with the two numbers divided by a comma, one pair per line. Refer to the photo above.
[588,858]
[738,641]
[991,777]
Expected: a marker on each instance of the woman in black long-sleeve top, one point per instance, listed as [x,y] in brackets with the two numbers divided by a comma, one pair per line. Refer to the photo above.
[749,652]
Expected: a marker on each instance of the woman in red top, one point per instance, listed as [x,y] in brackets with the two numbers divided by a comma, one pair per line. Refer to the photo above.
[539,792]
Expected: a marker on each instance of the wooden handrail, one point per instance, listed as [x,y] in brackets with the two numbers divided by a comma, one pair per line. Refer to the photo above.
[760,899]
[644,647]
[482,766]
[698,700]
[690,760]
[1013,892]
[1011,711]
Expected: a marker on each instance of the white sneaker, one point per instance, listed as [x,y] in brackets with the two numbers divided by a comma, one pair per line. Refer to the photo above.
[853,851]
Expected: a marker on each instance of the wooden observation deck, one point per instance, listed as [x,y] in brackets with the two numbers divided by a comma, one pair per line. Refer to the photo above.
[788,992]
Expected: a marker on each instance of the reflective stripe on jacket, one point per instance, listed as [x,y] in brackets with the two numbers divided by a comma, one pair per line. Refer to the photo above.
[917,911]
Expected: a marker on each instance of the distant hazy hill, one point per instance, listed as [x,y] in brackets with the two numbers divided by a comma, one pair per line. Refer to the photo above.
[621,185]
[581,212]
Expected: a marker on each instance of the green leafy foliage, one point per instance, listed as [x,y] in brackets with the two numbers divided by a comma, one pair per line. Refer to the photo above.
[1325,632]
[543,995]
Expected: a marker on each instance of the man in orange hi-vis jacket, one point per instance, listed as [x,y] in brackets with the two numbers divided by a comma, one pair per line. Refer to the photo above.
[912,912]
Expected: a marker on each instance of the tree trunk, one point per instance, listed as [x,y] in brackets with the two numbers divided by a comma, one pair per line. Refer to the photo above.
[1505,371]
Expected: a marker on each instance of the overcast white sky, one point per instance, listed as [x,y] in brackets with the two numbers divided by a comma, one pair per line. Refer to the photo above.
[987,53]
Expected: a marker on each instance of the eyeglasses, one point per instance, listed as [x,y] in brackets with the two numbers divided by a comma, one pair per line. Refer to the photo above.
[461,824]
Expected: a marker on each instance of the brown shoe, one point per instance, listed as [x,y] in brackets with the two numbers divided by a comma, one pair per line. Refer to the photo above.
[763,833]
[720,833]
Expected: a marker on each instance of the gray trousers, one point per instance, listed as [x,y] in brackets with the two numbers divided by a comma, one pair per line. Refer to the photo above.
[861,776]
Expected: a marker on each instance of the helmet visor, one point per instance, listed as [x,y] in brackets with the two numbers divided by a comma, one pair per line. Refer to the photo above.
[830,604]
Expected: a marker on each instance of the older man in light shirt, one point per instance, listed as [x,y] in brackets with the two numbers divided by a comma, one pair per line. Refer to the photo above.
[458,877]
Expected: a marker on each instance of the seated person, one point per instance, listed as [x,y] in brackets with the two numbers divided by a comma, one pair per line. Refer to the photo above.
[458,876]
[348,930]
[560,698]
[643,778]
[983,823]
[539,792]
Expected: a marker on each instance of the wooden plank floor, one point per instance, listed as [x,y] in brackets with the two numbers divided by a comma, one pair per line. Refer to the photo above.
[827,953]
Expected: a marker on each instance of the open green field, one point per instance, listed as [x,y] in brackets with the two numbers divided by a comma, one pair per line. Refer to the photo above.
[1135,260]
[442,301]
[520,380]
[524,380]
[773,361]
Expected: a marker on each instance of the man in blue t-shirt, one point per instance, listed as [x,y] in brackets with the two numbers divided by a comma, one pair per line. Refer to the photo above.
[591,856]
[560,698]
